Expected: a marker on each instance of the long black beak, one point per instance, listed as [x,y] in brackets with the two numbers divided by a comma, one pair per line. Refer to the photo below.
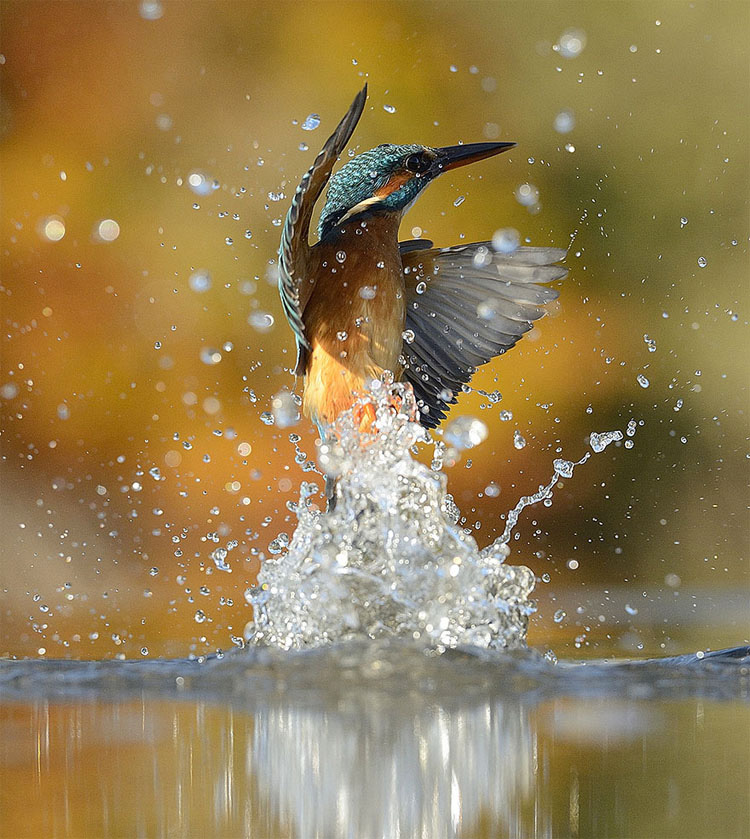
[451,157]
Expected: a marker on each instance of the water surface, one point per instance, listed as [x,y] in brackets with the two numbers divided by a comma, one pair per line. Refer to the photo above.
[381,739]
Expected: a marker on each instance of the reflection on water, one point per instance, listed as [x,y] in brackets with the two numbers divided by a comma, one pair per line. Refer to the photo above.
[380,740]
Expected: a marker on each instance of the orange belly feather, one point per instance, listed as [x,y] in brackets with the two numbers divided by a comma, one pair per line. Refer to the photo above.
[354,318]
[330,386]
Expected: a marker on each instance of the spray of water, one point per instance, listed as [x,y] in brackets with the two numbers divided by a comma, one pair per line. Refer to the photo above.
[391,560]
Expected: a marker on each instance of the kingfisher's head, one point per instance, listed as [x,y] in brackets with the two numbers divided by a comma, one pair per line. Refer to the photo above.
[389,178]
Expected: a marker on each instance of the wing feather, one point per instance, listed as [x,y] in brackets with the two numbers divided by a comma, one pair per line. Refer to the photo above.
[473,304]
[294,237]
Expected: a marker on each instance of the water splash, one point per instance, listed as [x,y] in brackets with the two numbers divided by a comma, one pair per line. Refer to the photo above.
[563,469]
[390,560]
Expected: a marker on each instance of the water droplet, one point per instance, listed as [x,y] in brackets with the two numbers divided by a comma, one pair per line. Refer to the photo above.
[312,121]
[506,240]
[421,287]
[342,335]
[408,336]
[341,256]
[284,408]
[276,196]
[465,432]
[200,183]
[482,257]
[219,556]
[527,195]
[52,228]
[683,222]
[200,616]
[150,9]
[210,355]
[519,441]
[368,292]
[702,261]
[391,109]
[559,616]
[571,43]
[673,580]
[642,380]
[107,230]
[459,201]
[564,468]
[200,281]
[599,442]
[565,122]
[261,321]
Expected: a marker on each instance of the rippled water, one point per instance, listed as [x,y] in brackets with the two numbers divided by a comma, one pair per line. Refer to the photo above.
[377,739]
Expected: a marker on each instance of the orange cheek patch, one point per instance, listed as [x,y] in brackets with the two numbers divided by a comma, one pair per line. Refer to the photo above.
[392,184]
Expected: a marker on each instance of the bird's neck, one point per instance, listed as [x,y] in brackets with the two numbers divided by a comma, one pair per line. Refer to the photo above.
[366,228]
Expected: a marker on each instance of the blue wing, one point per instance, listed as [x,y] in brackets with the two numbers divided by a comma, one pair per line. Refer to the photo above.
[473,304]
[294,237]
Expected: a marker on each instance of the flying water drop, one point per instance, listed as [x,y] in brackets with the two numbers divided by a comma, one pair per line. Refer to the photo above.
[312,121]
[465,432]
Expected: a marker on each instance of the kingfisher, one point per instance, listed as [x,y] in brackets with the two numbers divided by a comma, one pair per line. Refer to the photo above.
[361,303]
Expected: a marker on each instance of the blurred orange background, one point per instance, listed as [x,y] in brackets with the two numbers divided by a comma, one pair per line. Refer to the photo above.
[149,152]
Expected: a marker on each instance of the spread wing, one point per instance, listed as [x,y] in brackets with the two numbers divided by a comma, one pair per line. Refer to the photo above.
[466,305]
[294,245]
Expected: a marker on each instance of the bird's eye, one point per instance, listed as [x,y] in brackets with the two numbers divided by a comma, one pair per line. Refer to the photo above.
[417,163]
